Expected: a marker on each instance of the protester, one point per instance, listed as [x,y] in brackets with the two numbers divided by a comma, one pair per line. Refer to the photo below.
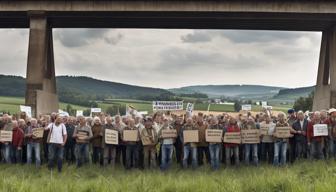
[300,125]
[82,134]
[110,150]
[214,147]
[149,139]
[189,148]
[315,143]
[167,146]
[132,147]
[57,138]
[250,125]
[96,141]
[17,141]
[69,148]
[33,143]
[202,145]
[267,141]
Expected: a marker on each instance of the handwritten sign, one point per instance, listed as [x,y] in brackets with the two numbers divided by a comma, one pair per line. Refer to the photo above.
[111,137]
[38,132]
[282,132]
[250,136]
[131,135]
[320,130]
[167,105]
[79,113]
[214,135]
[190,136]
[246,107]
[264,128]
[6,136]
[168,133]
[232,137]
[26,109]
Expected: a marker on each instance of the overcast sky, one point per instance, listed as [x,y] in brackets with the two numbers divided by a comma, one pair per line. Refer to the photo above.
[174,58]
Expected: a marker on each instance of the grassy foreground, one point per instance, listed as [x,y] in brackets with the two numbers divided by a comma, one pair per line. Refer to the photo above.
[306,176]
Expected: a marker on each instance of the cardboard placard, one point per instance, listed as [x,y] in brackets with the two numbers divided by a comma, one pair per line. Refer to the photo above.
[6,136]
[251,136]
[232,137]
[246,107]
[131,135]
[111,137]
[190,136]
[81,136]
[282,132]
[214,135]
[38,132]
[320,130]
[264,128]
[168,133]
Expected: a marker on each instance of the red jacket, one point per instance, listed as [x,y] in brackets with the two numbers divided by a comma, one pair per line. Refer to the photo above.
[231,128]
[18,136]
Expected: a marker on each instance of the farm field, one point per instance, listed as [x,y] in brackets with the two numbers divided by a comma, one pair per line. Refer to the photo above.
[304,176]
[11,104]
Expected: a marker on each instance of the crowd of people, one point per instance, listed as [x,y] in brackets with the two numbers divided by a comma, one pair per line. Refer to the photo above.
[81,140]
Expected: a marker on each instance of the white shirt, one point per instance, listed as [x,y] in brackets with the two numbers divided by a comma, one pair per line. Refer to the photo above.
[57,133]
[301,124]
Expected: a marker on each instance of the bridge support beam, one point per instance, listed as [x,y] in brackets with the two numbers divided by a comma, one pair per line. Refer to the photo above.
[40,79]
[325,90]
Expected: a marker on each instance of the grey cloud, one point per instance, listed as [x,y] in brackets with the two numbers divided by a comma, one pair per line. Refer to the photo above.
[242,36]
[113,40]
[79,37]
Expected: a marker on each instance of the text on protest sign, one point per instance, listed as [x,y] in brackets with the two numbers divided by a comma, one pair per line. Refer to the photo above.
[111,137]
[320,130]
[232,137]
[79,113]
[6,136]
[214,135]
[168,133]
[190,107]
[282,132]
[95,110]
[264,128]
[167,105]
[131,135]
[246,107]
[38,132]
[250,136]
[190,136]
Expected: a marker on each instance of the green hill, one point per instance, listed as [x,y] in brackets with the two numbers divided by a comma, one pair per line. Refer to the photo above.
[293,94]
[81,90]
[238,91]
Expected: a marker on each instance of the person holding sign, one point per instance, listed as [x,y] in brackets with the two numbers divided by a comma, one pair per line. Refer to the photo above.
[267,142]
[315,143]
[33,143]
[57,138]
[149,140]
[6,145]
[189,148]
[132,147]
[232,148]
[249,124]
[214,147]
[82,134]
[202,145]
[167,140]
[281,140]
[110,150]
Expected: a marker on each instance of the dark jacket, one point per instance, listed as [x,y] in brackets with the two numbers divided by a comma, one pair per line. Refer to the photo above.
[297,127]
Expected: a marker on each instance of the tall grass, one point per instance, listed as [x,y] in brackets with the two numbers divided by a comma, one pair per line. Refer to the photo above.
[305,176]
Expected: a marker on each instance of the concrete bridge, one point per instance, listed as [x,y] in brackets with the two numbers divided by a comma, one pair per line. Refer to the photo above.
[42,16]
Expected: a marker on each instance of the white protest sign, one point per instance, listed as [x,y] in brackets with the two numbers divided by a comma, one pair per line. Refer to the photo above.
[167,105]
[95,110]
[246,107]
[264,104]
[320,130]
[143,112]
[26,109]
[79,113]
[190,107]
[63,113]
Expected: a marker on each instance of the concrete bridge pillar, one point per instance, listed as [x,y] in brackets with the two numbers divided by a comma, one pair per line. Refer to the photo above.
[325,90]
[40,79]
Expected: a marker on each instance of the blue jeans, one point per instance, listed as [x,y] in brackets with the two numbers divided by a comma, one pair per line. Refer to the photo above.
[316,150]
[7,151]
[82,153]
[280,149]
[187,150]
[214,155]
[332,148]
[166,156]
[36,147]
[248,148]
[55,153]
[132,156]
